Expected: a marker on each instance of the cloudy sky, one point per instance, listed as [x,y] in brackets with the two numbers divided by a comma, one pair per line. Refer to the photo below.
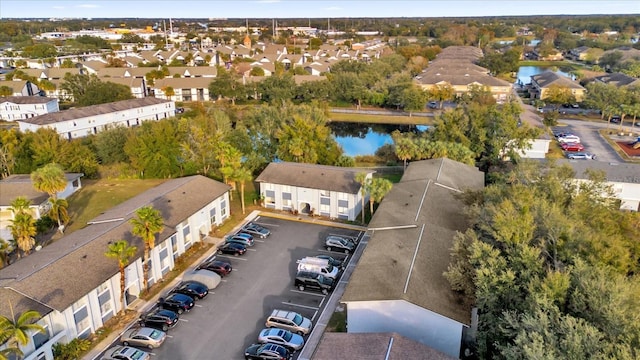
[306,9]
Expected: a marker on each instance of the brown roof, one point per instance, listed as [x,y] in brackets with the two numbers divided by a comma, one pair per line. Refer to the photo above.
[21,185]
[27,99]
[44,275]
[93,110]
[369,346]
[184,83]
[323,177]
[424,197]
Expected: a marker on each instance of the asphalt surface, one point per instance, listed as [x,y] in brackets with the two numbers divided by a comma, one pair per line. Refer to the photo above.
[229,319]
[593,142]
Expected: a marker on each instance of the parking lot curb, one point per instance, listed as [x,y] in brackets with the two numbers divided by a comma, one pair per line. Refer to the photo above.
[311,220]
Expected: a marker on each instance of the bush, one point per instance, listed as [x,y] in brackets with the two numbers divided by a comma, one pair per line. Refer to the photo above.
[72,350]
[45,224]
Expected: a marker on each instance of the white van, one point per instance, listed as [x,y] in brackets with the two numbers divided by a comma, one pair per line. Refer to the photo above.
[317,265]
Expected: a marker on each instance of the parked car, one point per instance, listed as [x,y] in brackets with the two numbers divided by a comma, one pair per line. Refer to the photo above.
[144,336]
[433,105]
[178,303]
[333,261]
[289,320]
[219,267]
[561,134]
[244,235]
[281,337]
[125,353]
[616,119]
[339,243]
[232,248]
[569,138]
[194,289]
[313,281]
[239,240]
[581,155]
[256,230]
[573,147]
[160,319]
[266,352]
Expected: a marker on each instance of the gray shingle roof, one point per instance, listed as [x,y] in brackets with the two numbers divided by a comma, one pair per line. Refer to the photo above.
[93,110]
[425,197]
[549,78]
[368,346]
[63,272]
[323,177]
[614,172]
[21,185]
[26,99]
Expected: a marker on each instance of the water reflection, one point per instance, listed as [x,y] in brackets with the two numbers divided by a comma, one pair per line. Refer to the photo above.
[364,139]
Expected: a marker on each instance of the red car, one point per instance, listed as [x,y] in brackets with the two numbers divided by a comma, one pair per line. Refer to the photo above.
[221,268]
[572,147]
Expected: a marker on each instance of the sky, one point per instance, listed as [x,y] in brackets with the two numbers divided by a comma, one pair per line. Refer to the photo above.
[306,9]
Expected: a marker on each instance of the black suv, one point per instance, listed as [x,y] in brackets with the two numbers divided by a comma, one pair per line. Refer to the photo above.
[194,289]
[160,319]
[176,302]
[313,281]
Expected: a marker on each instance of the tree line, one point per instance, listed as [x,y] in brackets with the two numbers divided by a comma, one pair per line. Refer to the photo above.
[552,265]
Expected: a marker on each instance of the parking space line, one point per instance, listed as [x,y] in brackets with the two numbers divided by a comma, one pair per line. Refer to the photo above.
[314,315]
[232,257]
[256,240]
[321,302]
[298,305]
[197,305]
[306,293]
[183,320]
[333,252]
[169,336]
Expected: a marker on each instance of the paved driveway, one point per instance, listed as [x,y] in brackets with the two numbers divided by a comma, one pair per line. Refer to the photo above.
[223,324]
[591,138]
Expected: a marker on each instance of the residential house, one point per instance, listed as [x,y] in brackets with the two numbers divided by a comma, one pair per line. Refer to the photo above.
[21,185]
[624,179]
[76,306]
[554,55]
[23,107]
[138,85]
[330,191]
[185,89]
[80,122]
[580,53]
[618,79]
[21,87]
[541,83]
[398,285]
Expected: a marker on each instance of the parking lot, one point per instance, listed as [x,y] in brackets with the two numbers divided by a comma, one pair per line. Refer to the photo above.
[590,138]
[229,319]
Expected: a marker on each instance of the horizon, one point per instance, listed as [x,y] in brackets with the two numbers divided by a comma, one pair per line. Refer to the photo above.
[299,9]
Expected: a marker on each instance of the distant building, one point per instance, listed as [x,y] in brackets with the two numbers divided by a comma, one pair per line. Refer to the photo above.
[541,83]
[14,108]
[80,122]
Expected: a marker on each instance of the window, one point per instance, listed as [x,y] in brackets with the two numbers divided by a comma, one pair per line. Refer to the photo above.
[343,196]
[164,259]
[269,186]
[40,338]
[287,203]
[223,209]
[81,318]
[186,233]
[174,245]
[324,209]
[106,305]
[325,193]
[212,215]
[286,188]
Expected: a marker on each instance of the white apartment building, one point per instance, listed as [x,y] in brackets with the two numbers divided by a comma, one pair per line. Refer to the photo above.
[14,108]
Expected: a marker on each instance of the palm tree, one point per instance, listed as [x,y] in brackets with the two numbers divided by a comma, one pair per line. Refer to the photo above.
[16,332]
[405,150]
[147,223]
[123,252]
[59,212]
[378,188]
[4,252]
[20,205]
[50,179]
[242,175]
[23,230]
[362,179]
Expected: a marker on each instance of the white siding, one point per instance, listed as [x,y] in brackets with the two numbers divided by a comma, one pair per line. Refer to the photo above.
[408,320]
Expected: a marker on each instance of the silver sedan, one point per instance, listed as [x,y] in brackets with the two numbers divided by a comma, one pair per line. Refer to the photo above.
[144,336]
[282,337]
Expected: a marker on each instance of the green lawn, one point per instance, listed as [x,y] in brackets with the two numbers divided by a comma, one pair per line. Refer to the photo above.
[96,196]
[381,119]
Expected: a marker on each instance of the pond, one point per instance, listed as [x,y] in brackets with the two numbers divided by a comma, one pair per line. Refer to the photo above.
[526,72]
[364,139]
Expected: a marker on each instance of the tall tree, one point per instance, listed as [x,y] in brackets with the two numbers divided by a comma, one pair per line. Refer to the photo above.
[59,212]
[4,253]
[20,205]
[50,179]
[122,252]
[23,230]
[378,189]
[363,180]
[226,85]
[241,176]
[18,331]
[405,149]
[441,93]
[559,95]
[147,223]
